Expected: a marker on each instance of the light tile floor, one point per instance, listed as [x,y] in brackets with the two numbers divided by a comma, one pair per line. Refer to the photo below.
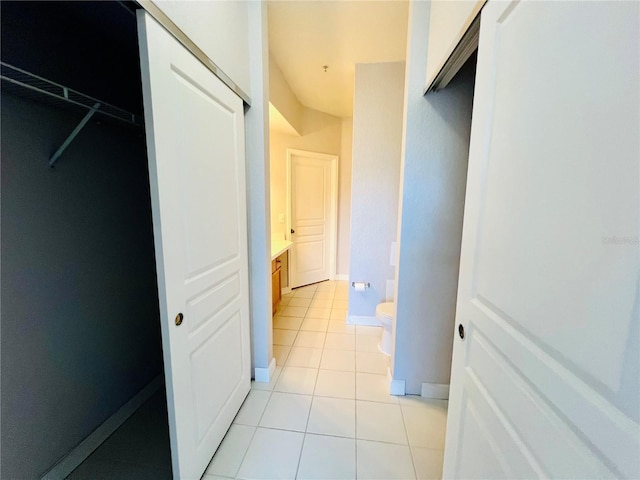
[327,413]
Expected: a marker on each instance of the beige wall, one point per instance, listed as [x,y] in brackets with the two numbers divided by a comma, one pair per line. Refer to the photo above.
[321,133]
[283,99]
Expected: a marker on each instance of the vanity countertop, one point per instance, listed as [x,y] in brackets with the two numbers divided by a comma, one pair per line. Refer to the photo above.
[278,247]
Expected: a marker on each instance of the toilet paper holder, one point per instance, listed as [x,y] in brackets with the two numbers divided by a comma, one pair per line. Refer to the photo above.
[360,285]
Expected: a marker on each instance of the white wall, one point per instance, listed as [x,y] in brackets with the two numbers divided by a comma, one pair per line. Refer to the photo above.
[257,158]
[344,197]
[377,141]
[220,29]
[435,153]
[448,23]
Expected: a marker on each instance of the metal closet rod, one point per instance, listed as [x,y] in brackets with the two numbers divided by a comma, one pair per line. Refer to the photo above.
[34,87]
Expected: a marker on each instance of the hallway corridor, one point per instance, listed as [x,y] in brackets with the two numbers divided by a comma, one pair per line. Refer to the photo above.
[327,413]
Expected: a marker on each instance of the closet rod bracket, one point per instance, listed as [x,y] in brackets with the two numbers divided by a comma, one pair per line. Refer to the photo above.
[73,134]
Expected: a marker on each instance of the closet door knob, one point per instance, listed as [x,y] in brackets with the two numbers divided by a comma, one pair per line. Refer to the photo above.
[461,331]
[293,231]
[179,319]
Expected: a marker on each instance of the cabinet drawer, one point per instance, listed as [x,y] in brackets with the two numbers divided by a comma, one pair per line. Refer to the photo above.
[276,289]
[275,265]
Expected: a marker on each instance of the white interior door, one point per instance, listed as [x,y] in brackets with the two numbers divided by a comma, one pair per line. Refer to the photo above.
[545,382]
[312,200]
[195,142]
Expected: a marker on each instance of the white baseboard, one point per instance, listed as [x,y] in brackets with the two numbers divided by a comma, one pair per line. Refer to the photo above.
[265,374]
[342,276]
[435,390]
[285,290]
[75,457]
[363,320]
[396,387]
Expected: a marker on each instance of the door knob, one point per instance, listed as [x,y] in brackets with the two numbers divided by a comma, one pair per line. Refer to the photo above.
[461,331]
[293,231]
[179,318]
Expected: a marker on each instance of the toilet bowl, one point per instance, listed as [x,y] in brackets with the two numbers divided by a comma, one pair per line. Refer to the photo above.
[384,313]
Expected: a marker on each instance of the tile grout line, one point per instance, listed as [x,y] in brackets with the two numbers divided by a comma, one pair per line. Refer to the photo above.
[304,437]
[314,396]
[248,446]
[404,424]
[310,407]
[355,402]
[306,426]
[250,441]
[333,435]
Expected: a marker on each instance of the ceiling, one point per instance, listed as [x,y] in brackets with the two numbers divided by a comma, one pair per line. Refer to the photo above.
[305,35]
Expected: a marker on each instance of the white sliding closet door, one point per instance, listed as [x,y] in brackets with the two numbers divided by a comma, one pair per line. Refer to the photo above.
[545,381]
[195,141]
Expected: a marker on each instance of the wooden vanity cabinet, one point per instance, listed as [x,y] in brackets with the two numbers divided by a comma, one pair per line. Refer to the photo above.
[276,284]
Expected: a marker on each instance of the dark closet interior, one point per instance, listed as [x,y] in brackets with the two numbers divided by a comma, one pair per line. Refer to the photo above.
[80,331]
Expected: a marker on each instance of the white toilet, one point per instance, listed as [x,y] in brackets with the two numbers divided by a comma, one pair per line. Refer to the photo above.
[384,313]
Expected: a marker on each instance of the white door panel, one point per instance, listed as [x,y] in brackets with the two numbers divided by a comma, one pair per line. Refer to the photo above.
[313,212]
[195,138]
[545,382]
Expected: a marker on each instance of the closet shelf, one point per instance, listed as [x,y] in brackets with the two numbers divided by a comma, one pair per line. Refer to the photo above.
[32,87]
